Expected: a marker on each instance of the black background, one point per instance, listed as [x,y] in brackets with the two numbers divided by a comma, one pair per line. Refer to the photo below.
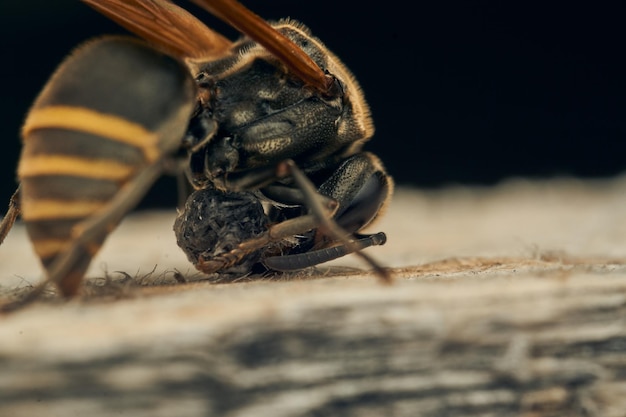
[461,92]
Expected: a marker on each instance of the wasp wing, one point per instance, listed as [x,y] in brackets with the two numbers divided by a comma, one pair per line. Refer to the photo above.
[165,24]
[248,23]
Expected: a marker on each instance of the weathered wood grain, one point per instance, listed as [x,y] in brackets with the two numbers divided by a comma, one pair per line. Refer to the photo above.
[504,328]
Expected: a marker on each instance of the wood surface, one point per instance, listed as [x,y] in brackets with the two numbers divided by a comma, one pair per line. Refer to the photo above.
[508,301]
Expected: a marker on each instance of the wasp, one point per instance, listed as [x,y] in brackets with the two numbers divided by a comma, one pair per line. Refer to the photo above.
[268,130]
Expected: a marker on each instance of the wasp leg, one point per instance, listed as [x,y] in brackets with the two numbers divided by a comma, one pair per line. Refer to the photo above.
[177,167]
[11,216]
[361,188]
[93,230]
[88,235]
[275,233]
[315,257]
[338,216]
[183,187]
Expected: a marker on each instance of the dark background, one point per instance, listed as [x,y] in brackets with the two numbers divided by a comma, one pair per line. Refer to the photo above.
[461,92]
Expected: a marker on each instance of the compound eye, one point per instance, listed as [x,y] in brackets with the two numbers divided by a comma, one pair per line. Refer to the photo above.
[366,204]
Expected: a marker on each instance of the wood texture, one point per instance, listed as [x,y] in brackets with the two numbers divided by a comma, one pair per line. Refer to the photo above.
[508,301]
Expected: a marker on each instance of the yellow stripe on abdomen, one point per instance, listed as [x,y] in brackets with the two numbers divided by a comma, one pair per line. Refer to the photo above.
[90,121]
[42,165]
[49,248]
[58,209]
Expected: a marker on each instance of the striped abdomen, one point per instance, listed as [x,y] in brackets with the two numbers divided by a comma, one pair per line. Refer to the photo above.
[114,108]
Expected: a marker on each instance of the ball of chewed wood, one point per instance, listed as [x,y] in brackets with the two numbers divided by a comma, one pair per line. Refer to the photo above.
[214,222]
